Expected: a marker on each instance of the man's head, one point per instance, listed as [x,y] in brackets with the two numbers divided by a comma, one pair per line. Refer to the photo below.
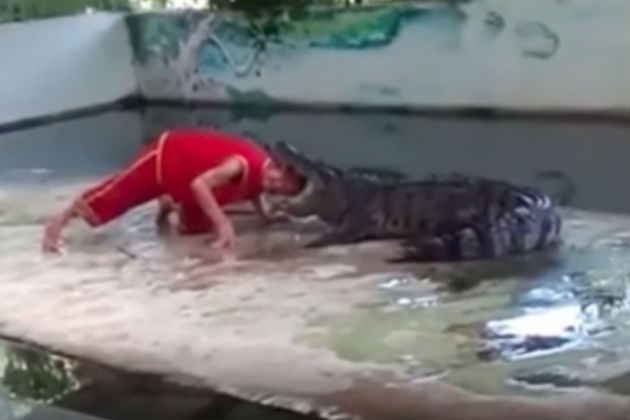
[279,179]
[316,182]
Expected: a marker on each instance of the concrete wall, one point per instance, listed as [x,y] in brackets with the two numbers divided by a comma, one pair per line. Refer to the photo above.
[526,54]
[61,64]
[534,54]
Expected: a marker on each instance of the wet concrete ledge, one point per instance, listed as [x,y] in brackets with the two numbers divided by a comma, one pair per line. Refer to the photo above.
[110,393]
[103,392]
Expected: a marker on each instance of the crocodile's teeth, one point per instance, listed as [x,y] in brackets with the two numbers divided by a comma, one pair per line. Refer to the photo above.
[302,195]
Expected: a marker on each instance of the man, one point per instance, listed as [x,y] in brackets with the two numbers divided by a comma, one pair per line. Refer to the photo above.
[192,172]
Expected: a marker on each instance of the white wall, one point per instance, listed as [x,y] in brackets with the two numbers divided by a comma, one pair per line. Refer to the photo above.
[545,55]
[60,64]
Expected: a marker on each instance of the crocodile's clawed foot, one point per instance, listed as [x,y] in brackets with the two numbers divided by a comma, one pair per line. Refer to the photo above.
[333,238]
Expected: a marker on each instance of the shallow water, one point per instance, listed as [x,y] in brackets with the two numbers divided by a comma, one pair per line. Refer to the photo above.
[124,297]
[276,319]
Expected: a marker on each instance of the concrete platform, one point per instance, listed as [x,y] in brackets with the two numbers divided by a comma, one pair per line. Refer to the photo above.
[280,325]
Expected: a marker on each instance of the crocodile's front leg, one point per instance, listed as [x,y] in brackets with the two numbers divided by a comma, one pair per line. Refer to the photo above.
[338,235]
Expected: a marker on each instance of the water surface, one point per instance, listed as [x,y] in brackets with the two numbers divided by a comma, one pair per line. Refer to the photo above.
[124,296]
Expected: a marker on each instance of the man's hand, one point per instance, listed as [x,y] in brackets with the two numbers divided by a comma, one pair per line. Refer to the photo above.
[54,227]
[226,238]
[52,234]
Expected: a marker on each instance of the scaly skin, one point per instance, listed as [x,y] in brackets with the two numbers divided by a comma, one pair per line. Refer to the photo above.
[445,218]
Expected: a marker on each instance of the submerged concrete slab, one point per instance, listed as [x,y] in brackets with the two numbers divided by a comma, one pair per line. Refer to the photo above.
[279,324]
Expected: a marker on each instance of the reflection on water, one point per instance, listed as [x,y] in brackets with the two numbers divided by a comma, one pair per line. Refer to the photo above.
[594,176]
[394,281]
[537,331]
[417,302]
[587,297]
[555,377]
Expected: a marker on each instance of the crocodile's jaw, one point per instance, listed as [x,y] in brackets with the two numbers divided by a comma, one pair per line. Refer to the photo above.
[305,203]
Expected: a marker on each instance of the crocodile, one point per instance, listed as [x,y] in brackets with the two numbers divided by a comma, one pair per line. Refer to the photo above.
[441,217]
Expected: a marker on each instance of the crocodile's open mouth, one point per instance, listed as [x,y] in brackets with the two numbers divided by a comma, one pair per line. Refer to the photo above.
[307,191]
[286,154]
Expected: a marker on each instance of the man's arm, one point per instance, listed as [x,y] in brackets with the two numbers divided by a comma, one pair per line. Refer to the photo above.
[202,189]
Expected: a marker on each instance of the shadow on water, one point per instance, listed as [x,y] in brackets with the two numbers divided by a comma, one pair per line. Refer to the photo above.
[561,157]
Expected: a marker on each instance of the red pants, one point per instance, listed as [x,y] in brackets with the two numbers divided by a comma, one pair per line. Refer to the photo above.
[131,187]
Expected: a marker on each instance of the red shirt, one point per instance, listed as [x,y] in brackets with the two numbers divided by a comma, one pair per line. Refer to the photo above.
[183,154]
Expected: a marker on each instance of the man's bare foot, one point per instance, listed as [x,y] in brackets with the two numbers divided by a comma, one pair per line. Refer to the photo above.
[163,218]
[163,222]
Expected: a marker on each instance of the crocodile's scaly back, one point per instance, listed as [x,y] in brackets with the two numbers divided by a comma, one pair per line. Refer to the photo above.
[451,217]
[527,222]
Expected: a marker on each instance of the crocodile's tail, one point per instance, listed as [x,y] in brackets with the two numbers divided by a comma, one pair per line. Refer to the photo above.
[531,223]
